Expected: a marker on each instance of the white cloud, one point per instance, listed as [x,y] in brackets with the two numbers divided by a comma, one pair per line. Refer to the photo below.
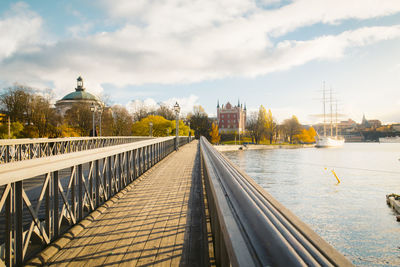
[20,29]
[186,104]
[183,41]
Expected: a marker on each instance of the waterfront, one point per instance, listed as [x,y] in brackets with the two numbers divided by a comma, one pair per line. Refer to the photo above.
[353,215]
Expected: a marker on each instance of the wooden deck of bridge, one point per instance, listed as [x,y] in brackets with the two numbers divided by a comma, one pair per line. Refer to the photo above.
[160,220]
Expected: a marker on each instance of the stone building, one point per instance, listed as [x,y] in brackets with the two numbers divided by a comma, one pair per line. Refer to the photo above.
[231,118]
[79,96]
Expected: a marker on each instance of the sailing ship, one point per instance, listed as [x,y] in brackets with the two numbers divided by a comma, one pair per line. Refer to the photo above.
[394,139]
[331,140]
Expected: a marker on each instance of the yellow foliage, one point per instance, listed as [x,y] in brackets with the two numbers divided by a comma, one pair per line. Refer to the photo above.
[215,137]
[161,127]
[306,136]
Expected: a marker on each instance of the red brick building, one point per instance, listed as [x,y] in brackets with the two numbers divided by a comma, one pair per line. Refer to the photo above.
[231,118]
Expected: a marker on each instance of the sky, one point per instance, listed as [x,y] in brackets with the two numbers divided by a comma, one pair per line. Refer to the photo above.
[260,52]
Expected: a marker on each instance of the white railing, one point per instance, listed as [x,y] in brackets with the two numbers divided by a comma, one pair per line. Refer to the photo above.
[44,197]
[22,149]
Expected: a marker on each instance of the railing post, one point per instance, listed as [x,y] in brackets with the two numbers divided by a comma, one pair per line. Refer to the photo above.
[110,189]
[48,207]
[19,240]
[56,203]
[97,203]
[9,229]
[73,194]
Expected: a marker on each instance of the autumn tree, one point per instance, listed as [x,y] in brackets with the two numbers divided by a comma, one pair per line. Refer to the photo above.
[80,118]
[306,136]
[291,127]
[215,137]
[270,126]
[161,126]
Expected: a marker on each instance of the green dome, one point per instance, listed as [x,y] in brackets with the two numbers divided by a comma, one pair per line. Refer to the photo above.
[80,95]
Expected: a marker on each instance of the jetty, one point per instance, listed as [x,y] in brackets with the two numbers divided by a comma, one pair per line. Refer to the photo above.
[144,201]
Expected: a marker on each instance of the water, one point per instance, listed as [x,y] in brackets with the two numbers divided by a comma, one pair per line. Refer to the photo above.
[353,215]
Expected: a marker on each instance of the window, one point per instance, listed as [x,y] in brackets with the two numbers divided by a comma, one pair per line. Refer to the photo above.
[222,115]
[222,121]
[228,116]
[229,121]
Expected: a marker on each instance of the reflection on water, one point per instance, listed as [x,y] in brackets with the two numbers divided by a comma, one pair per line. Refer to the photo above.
[353,215]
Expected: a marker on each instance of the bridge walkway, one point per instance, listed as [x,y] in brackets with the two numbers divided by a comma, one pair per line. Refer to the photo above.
[159,220]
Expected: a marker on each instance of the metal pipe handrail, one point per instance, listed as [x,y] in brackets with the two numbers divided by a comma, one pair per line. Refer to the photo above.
[21,170]
[251,228]
[70,187]
[23,149]
[20,141]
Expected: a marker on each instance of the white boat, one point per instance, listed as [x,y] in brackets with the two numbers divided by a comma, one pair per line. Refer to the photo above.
[394,139]
[332,140]
[329,141]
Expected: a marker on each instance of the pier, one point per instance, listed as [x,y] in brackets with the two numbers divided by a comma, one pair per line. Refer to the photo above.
[144,203]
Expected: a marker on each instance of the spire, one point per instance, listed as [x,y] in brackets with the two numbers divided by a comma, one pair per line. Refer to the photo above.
[238,103]
[218,104]
[245,106]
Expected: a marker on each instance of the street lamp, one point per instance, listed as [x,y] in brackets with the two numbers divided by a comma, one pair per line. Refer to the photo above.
[190,133]
[177,109]
[93,110]
[151,128]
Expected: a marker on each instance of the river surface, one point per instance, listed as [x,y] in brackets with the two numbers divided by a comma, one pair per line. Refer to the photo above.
[351,215]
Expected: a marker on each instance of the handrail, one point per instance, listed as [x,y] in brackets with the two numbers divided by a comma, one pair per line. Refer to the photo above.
[23,149]
[251,228]
[71,186]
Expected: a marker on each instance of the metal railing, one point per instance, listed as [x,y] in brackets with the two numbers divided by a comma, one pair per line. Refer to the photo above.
[251,228]
[65,189]
[23,149]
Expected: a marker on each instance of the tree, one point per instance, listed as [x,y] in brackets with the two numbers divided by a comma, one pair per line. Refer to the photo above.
[270,126]
[122,121]
[161,126]
[15,130]
[291,127]
[80,117]
[306,136]
[215,137]
[16,101]
[165,112]
[251,126]
[200,122]
[44,117]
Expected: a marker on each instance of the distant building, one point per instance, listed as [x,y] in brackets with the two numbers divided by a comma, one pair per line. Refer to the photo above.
[373,124]
[79,96]
[231,118]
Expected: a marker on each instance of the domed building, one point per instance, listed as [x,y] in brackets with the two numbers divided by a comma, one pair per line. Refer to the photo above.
[79,96]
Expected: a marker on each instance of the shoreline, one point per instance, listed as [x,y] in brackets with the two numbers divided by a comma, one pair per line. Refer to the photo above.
[223,148]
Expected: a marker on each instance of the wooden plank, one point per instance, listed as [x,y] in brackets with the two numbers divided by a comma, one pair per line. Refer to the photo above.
[150,225]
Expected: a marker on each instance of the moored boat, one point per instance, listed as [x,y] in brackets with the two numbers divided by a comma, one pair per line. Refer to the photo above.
[394,139]
[329,141]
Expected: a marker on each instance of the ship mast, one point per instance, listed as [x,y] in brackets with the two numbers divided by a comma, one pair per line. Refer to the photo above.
[336,121]
[323,92]
[331,112]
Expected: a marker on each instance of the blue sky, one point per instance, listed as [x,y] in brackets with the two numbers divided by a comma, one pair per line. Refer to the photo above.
[265,52]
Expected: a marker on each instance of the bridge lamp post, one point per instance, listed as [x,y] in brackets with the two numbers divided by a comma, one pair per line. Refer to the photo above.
[93,110]
[177,109]
[190,133]
[150,128]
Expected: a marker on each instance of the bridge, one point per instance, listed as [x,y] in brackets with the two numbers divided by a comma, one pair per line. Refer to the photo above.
[138,201]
